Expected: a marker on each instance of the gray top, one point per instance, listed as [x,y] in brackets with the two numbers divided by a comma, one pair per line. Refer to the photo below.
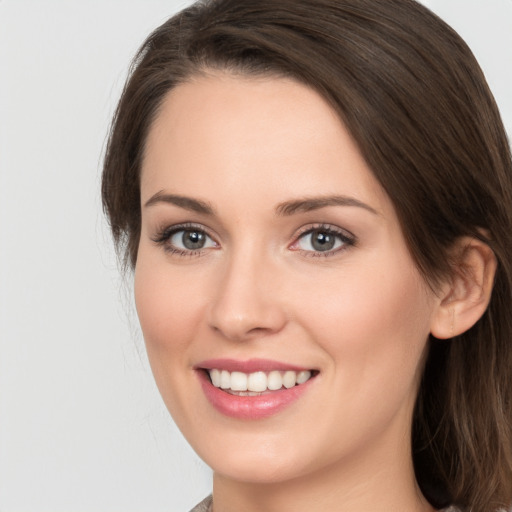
[205,506]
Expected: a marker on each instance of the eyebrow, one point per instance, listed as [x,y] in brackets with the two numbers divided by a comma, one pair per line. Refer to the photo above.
[286,208]
[188,203]
[315,203]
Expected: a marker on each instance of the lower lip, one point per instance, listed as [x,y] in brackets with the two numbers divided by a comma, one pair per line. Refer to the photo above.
[250,407]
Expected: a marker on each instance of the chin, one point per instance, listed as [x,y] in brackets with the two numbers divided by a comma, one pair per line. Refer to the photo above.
[260,460]
[255,471]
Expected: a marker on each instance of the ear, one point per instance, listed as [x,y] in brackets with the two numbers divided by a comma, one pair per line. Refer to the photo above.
[465,295]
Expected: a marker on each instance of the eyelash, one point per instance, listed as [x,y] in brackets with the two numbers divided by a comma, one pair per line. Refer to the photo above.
[347,240]
[164,236]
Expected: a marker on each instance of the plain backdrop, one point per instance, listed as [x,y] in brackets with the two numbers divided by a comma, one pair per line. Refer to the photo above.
[82,427]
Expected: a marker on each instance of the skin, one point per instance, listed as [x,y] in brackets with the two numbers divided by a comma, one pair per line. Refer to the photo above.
[360,315]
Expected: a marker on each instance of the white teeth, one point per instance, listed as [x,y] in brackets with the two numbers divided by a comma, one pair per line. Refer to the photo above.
[257,382]
[215,376]
[225,379]
[289,379]
[303,376]
[238,381]
[274,381]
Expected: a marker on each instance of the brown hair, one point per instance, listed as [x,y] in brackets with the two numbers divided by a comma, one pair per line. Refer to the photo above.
[416,102]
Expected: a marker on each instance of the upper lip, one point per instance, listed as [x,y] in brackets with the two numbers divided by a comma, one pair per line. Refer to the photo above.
[248,366]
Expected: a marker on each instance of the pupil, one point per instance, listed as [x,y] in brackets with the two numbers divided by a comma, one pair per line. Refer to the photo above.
[193,239]
[323,241]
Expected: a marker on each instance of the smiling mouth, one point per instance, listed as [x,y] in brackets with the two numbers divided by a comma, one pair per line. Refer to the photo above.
[258,383]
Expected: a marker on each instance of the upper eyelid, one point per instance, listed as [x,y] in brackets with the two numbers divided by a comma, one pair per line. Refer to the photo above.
[169,229]
[183,226]
[325,226]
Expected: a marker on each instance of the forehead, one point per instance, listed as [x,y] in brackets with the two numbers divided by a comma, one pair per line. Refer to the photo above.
[272,135]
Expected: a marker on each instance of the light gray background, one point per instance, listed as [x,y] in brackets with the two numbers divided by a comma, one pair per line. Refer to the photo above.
[82,427]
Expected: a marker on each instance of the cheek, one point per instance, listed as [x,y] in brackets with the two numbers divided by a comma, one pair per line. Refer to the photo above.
[168,307]
[373,323]
[169,311]
[361,300]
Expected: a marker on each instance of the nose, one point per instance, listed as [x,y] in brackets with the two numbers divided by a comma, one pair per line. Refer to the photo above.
[247,303]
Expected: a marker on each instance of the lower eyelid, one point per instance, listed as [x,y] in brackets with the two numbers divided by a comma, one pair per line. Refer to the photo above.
[181,252]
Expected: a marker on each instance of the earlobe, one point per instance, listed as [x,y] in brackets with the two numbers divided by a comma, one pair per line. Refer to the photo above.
[467,292]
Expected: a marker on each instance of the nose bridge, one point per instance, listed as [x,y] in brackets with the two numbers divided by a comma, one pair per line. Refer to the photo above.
[246,303]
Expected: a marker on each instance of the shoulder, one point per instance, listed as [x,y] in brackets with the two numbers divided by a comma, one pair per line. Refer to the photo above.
[204,506]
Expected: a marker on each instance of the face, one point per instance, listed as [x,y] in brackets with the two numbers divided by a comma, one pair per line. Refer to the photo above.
[284,318]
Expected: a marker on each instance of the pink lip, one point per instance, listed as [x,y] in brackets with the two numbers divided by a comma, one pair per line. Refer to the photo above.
[249,366]
[249,407]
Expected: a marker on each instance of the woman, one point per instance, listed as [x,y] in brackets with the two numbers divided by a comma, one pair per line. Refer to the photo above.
[315,197]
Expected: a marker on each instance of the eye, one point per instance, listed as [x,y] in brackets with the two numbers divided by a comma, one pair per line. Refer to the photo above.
[184,240]
[323,239]
[191,240]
